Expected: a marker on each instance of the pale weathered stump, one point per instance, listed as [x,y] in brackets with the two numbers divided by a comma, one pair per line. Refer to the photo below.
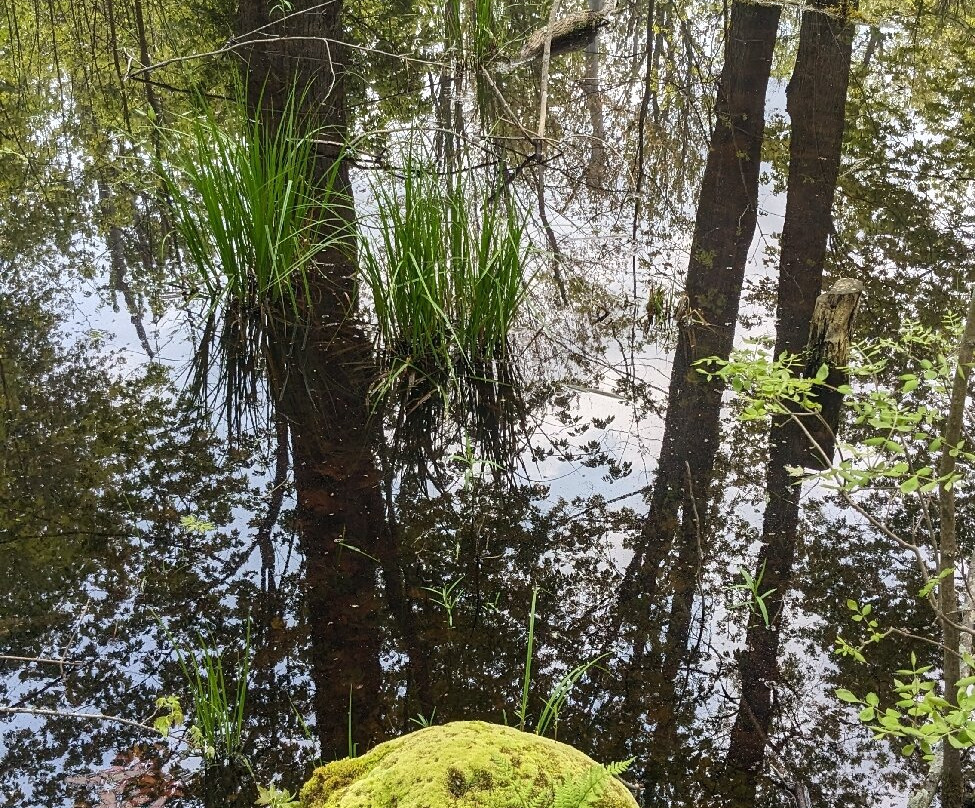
[570,33]
[830,332]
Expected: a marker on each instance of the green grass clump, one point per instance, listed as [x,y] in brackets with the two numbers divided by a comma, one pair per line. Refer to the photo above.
[247,204]
[446,270]
[218,704]
[253,208]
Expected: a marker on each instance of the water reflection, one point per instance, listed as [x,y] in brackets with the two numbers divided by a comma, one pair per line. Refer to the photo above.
[386,553]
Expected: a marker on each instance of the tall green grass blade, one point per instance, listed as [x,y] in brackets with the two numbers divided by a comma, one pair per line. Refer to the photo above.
[353,746]
[560,695]
[529,653]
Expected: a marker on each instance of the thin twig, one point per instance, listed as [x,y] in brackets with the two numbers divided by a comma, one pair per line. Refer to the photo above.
[84,716]
[504,105]
[40,660]
[237,43]
[890,534]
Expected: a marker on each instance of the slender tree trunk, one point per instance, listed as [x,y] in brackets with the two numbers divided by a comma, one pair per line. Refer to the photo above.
[726,218]
[649,90]
[951,779]
[140,27]
[115,240]
[596,168]
[816,105]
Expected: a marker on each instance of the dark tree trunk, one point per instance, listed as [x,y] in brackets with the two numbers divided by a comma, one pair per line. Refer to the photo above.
[726,218]
[816,105]
[321,368]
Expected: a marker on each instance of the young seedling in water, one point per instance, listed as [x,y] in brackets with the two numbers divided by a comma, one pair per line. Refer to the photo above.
[756,603]
[445,597]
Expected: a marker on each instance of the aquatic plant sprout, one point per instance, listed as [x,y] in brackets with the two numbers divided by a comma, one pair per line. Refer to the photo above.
[218,702]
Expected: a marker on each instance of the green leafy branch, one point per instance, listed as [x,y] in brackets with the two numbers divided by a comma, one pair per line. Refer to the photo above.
[918,713]
[274,797]
[861,614]
[765,386]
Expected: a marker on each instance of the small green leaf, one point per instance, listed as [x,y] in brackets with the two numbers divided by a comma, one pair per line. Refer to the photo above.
[275,797]
[910,485]
[845,695]
[193,524]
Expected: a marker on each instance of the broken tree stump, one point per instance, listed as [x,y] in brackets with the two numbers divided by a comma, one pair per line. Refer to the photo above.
[830,332]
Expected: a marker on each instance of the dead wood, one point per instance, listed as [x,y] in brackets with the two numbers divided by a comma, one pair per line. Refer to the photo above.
[829,344]
[570,33]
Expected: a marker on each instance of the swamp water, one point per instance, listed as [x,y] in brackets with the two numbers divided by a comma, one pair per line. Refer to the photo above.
[367,568]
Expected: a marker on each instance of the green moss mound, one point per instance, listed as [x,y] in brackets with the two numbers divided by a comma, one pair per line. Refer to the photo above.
[467,764]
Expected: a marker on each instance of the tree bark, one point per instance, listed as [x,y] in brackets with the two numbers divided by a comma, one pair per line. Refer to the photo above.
[816,105]
[596,167]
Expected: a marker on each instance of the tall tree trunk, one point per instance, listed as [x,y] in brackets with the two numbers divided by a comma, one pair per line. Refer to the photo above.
[321,368]
[726,218]
[816,106]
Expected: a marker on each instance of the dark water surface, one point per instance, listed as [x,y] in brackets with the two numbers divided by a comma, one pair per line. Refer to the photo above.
[142,520]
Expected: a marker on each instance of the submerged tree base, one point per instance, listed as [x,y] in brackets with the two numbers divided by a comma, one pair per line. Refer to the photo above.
[465,764]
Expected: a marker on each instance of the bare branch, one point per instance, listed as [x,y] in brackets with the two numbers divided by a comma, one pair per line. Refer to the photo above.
[83,716]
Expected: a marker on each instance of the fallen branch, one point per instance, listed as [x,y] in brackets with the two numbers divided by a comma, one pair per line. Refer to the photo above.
[570,33]
[84,716]
[39,660]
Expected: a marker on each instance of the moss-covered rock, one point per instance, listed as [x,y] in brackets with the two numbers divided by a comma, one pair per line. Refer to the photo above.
[466,764]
